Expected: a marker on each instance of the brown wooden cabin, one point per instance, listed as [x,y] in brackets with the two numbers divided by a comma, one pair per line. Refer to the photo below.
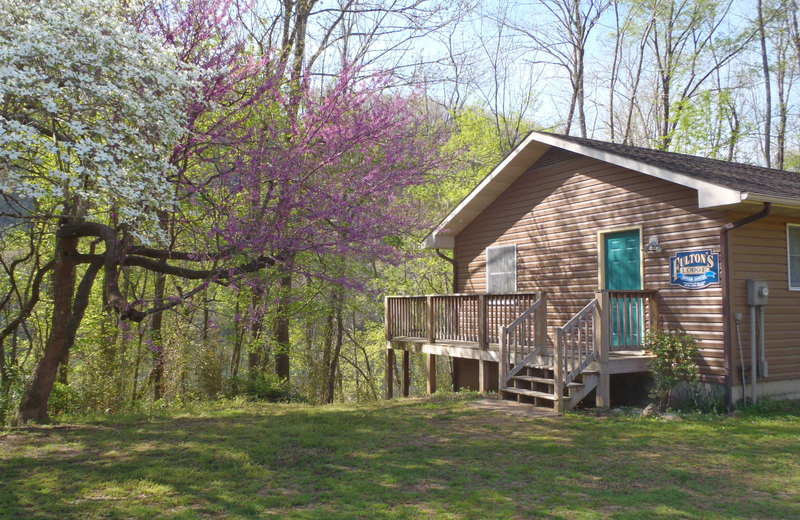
[572,250]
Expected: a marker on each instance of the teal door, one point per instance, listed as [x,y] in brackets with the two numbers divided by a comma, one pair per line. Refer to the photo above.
[623,273]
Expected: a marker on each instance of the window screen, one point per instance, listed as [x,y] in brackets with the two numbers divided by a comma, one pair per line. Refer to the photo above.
[793,237]
[501,269]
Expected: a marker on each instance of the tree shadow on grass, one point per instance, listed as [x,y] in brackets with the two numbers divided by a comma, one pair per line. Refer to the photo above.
[409,459]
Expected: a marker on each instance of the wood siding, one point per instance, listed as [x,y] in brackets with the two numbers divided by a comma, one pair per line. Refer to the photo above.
[759,251]
[554,212]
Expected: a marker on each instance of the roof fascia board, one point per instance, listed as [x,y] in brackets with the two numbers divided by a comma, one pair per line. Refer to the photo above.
[437,240]
[780,201]
[717,196]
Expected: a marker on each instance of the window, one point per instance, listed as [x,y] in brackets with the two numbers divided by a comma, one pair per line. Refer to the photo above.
[793,246]
[501,269]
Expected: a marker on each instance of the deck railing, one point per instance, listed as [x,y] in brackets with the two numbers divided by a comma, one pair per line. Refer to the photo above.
[408,317]
[473,318]
[631,315]
[522,339]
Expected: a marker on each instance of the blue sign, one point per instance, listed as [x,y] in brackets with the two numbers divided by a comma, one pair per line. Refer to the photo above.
[694,269]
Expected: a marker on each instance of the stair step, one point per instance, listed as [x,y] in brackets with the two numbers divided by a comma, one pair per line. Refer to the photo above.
[534,379]
[529,393]
[574,384]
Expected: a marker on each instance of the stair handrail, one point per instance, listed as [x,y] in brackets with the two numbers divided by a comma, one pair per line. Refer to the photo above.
[576,345]
[517,343]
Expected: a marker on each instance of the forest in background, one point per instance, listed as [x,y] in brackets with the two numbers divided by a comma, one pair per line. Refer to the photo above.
[209,198]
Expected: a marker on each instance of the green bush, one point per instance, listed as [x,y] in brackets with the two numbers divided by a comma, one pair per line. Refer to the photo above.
[64,399]
[768,407]
[675,364]
[266,387]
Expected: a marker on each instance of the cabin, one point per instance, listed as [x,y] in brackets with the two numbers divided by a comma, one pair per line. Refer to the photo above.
[571,251]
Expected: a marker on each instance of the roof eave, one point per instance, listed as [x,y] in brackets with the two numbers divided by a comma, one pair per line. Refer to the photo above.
[439,240]
[789,202]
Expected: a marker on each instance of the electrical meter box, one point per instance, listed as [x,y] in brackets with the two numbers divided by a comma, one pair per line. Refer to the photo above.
[757,292]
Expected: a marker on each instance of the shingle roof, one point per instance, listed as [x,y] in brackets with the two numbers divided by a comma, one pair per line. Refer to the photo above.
[737,176]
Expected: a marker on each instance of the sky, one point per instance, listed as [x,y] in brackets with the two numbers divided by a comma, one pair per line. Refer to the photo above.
[507,75]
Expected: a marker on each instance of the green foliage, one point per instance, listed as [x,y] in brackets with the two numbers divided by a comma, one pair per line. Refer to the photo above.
[675,363]
[792,161]
[768,407]
[65,399]
[262,387]
[702,125]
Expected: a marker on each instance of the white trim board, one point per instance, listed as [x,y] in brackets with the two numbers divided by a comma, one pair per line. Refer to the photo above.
[709,195]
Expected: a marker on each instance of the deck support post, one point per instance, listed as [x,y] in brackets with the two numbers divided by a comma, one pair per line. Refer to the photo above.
[389,371]
[503,362]
[558,372]
[601,331]
[430,372]
[406,373]
[483,376]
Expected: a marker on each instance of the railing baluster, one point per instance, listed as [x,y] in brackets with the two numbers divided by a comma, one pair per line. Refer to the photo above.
[629,312]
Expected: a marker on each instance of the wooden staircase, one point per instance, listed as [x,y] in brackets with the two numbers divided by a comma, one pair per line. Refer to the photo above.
[558,377]
[535,383]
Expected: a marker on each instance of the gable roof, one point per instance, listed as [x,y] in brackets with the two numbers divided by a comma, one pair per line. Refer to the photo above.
[718,183]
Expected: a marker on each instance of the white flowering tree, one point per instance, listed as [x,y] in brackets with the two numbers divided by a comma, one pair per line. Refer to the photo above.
[90,111]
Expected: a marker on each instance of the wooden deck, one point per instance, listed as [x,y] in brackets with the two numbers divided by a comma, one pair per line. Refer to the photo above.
[604,338]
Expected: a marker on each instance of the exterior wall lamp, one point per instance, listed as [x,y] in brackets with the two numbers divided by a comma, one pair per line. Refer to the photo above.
[653,245]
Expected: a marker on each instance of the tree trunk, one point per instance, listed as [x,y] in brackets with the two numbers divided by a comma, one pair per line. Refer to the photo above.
[156,338]
[281,328]
[580,33]
[767,86]
[333,368]
[34,403]
[784,85]
[795,31]
[327,355]
[626,138]
[256,357]
[5,383]
[136,365]
[614,71]
[67,316]
[236,357]
[63,369]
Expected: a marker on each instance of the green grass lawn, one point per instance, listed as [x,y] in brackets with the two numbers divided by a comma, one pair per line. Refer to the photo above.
[403,459]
